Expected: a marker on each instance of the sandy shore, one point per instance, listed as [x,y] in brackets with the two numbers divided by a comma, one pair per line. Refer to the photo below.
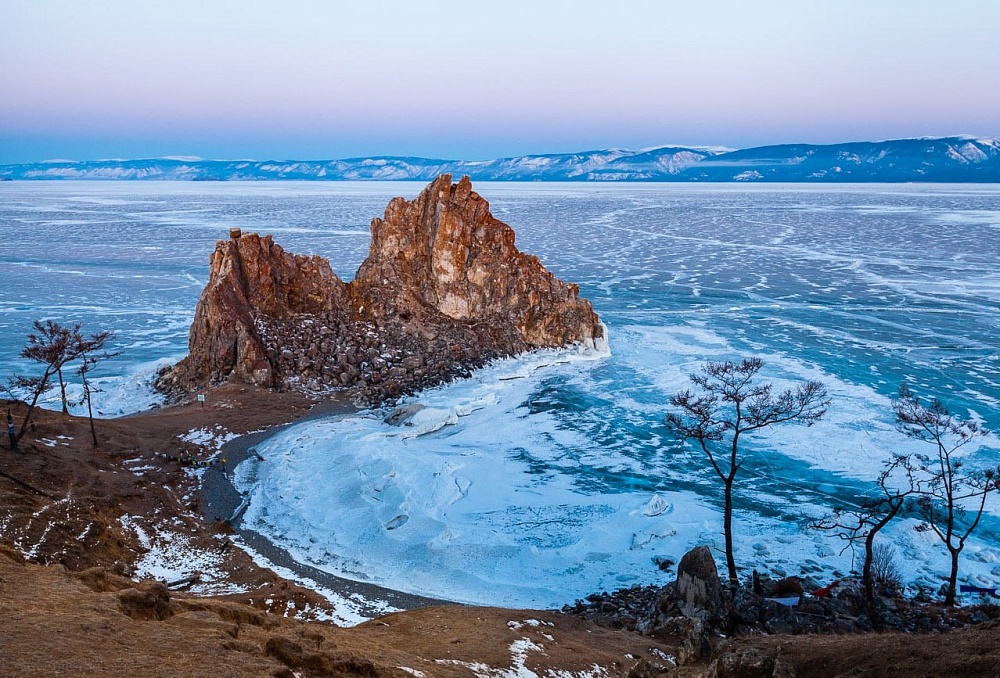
[219,501]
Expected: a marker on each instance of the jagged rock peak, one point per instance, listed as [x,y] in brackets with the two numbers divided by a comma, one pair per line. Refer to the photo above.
[250,277]
[443,290]
[276,282]
[445,251]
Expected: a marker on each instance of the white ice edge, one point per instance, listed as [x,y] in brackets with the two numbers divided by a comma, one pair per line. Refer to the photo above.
[347,608]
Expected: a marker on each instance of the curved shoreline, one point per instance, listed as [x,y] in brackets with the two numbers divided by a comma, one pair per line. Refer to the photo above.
[219,500]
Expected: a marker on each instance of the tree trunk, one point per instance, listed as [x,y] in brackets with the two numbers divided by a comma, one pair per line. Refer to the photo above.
[949,597]
[90,411]
[62,392]
[31,408]
[90,415]
[866,570]
[867,579]
[727,528]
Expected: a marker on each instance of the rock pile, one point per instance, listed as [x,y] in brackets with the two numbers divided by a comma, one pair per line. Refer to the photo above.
[380,360]
[699,610]
[443,290]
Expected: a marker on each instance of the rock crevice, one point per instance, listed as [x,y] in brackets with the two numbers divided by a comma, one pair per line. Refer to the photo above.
[443,290]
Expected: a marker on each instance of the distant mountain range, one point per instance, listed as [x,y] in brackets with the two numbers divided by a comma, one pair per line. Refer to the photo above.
[946,159]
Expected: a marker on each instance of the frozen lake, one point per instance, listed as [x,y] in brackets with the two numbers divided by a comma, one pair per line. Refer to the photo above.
[551,476]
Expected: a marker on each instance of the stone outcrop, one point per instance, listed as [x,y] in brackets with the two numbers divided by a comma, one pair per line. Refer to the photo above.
[444,254]
[699,590]
[252,279]
[443,290]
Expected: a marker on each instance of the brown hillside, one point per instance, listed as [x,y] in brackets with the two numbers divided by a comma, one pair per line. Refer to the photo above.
[62,502]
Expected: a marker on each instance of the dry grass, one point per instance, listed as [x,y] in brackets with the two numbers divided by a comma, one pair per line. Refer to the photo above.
[82,615]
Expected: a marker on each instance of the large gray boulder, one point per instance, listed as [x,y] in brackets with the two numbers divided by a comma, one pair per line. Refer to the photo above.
[700,593]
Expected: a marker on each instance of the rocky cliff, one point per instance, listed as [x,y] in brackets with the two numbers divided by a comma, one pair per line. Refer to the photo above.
[443,290]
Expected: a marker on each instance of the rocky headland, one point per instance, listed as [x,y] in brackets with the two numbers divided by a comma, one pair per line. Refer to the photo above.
[443,290]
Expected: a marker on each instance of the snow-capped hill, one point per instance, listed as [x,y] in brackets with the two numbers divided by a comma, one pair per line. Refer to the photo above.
[669,160]
[947,159]
[548,167]
[710,150]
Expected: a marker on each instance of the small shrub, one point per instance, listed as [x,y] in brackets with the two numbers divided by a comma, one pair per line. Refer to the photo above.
[885,572]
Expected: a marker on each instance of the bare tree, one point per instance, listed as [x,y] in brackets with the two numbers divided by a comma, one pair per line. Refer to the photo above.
[897,485]
[953,498]
[91,352]
[730,403]
[53,345]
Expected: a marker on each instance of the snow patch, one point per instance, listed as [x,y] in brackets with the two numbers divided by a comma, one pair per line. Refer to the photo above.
[210,439]
[348,609]
[170,556]
[519,650]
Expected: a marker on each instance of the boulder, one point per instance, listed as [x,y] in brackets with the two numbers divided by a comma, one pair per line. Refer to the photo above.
[699,591]
[403,414]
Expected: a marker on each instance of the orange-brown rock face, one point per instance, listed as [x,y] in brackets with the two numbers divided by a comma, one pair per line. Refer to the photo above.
[251,278]
[445,251]
[443,290]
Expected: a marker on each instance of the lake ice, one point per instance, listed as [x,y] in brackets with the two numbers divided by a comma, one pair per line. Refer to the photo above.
[550,476]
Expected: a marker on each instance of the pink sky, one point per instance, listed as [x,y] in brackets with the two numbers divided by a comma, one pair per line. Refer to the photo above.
[473,80]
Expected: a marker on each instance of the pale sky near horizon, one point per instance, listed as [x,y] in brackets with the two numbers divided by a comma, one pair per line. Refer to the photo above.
[308,79]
